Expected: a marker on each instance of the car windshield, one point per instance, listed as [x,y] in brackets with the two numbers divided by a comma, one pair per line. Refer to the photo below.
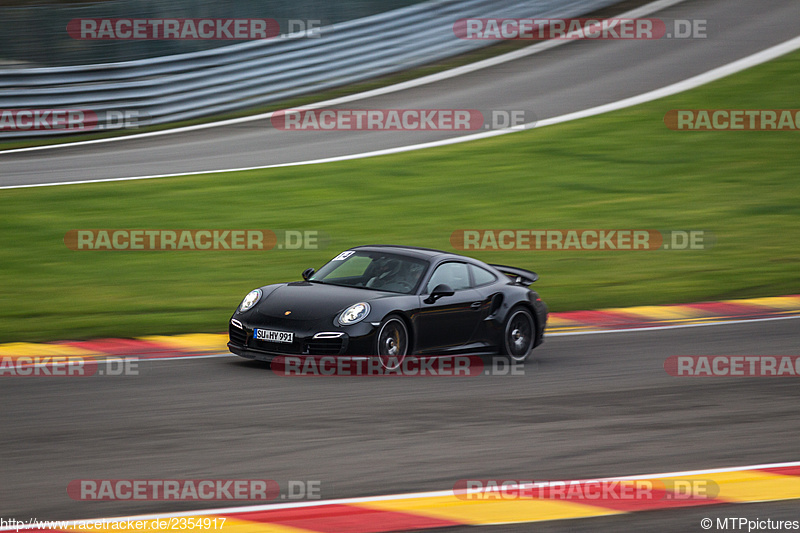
[373,270]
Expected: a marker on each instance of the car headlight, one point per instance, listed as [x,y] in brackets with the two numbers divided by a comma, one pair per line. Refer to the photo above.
[354,314]
[250,300]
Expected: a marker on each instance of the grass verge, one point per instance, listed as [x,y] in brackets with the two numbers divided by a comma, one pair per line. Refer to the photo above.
[620,170]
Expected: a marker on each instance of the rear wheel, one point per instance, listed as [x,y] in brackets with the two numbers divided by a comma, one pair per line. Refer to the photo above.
[391,342]
[518,333]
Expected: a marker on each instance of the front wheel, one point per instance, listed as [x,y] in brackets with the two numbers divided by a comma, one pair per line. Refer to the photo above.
[518,333]
[391,342]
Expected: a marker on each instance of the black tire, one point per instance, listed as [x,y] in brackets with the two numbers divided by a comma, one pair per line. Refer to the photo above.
[391,342]
[519,330]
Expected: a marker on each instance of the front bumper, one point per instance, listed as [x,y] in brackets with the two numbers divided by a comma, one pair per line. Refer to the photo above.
[308,340]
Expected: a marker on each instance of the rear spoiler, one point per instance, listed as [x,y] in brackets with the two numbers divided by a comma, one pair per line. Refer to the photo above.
[519,275]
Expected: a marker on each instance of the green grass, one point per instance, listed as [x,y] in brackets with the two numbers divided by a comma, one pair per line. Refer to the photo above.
[620,170]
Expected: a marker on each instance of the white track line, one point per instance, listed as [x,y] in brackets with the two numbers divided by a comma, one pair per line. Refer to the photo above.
[671,326]
[559,334]
[390,497]
[425,80]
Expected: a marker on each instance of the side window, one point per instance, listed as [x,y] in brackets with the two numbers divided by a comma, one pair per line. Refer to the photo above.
[482,276]
[454,274]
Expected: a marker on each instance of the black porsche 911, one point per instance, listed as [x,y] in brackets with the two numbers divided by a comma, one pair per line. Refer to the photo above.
[393,301]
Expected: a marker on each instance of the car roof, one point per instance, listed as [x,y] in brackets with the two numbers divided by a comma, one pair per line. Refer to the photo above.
[428,254]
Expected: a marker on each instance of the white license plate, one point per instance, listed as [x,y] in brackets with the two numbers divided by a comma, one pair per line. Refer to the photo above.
[273,336]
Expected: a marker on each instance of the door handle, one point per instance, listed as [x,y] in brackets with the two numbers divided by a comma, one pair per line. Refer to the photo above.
[476,305]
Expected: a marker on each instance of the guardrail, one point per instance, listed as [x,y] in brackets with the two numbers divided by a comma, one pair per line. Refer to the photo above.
[34,33]
[251,74]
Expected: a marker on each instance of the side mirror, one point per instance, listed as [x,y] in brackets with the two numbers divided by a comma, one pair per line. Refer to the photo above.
[307,273]
[438,292]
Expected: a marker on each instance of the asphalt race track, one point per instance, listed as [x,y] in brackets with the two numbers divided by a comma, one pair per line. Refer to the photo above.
[572,77]
[587,405]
